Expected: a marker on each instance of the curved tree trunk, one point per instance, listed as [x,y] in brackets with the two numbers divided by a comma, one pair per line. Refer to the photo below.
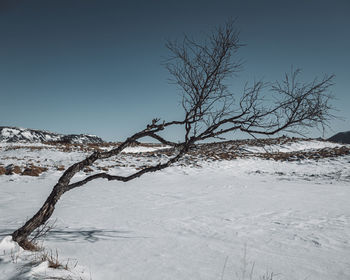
[21,235]
[40,218]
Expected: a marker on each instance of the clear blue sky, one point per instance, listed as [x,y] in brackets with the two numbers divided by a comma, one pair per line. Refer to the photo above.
[83,66]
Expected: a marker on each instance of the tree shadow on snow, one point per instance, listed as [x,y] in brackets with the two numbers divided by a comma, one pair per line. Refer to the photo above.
[90,235]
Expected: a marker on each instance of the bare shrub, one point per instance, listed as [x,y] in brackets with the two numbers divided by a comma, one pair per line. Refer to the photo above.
[201,70]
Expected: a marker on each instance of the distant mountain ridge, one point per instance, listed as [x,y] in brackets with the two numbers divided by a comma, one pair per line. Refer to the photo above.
[25,135]
[341,137]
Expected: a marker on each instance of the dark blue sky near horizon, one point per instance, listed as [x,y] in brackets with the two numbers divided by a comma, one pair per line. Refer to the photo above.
[83,66]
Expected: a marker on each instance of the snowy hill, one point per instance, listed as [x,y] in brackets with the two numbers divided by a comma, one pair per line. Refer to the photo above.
[341,137]
[24,135]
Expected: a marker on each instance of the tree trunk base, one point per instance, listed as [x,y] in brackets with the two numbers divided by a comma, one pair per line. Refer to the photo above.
[28,245]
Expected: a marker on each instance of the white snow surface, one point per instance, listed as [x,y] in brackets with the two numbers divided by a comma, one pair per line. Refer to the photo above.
[308,145]
[217,221]
[142,149]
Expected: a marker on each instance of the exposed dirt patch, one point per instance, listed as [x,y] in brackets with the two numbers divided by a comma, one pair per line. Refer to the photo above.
[33,170]
[12,169]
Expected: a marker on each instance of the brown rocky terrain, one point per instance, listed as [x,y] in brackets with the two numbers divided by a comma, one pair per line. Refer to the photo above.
[229,150]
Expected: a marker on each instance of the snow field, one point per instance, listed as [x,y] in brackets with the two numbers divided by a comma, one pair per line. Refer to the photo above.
[213,222]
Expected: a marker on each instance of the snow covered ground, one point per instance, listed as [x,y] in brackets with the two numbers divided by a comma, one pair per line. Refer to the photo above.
[221,220]
[305,145]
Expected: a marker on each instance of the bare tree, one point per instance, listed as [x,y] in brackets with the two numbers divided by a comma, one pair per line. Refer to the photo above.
[202,71]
